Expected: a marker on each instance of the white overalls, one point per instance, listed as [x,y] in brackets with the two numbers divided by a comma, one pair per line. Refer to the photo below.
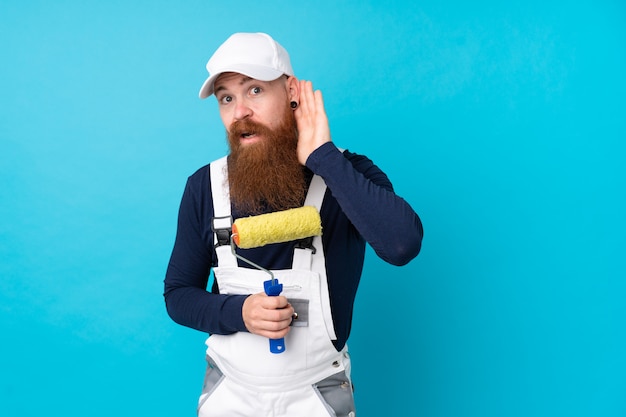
[310,378]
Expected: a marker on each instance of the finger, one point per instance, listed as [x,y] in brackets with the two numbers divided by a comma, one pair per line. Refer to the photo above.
[270,334]
[269,328]
[278,315]
[275,302]
[273,326]
[319,101]
[257,306]
[302,105]
[306,91]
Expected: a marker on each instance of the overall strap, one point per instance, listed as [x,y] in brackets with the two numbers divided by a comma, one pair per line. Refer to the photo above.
[219,188]
[221,211]
[313,258]
[302,256]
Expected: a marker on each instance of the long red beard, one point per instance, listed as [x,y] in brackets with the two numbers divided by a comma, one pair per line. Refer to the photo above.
[266,175]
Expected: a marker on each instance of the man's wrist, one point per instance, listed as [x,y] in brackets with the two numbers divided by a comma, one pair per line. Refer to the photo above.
[232,316]
[318,155]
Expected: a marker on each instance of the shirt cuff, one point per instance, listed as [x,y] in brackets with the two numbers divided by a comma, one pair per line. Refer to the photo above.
[322,154]
[232,315]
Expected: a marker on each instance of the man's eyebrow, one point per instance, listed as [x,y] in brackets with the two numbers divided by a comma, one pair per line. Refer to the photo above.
[244,79]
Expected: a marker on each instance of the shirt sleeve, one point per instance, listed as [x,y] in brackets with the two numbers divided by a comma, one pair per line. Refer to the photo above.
[365,194]
[187,300]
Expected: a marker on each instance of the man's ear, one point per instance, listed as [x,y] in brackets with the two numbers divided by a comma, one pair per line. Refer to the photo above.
[293,89]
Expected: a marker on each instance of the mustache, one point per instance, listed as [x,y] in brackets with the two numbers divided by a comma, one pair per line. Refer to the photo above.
[247,127]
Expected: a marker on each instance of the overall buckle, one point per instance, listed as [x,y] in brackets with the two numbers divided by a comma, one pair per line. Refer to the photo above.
[222,228]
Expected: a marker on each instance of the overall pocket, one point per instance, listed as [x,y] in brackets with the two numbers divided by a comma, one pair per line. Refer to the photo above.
[336,394]
[212,379]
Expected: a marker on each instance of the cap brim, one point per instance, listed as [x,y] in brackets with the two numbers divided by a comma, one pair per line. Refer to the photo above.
[252,71]
[207,87]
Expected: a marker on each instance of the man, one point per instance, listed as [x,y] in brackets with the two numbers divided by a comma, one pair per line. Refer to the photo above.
[281,157]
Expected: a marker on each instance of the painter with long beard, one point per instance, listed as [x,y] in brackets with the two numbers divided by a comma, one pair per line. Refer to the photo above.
[281,157]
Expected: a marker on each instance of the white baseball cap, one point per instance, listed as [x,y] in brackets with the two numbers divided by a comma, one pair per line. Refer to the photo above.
[255,55]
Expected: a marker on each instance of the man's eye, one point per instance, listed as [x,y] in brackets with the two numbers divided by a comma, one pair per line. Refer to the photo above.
[226,99]
[255,90]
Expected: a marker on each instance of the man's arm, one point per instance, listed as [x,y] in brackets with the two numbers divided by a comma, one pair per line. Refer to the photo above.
[187,300]
[386,221]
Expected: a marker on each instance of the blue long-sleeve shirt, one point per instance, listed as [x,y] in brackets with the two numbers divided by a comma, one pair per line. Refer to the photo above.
[359,206]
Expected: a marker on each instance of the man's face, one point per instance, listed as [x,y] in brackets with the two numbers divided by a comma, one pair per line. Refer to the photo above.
[243,99]
[263,169]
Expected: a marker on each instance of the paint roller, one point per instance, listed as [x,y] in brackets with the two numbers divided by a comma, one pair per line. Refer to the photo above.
[277,227]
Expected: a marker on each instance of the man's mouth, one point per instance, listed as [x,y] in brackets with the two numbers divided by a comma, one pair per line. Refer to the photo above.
[247,132]
[249,137]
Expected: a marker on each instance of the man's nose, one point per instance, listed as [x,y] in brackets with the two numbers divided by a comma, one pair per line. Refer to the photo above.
[242,110]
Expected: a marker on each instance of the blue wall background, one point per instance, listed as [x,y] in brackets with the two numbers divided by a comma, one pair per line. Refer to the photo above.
[502,124]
